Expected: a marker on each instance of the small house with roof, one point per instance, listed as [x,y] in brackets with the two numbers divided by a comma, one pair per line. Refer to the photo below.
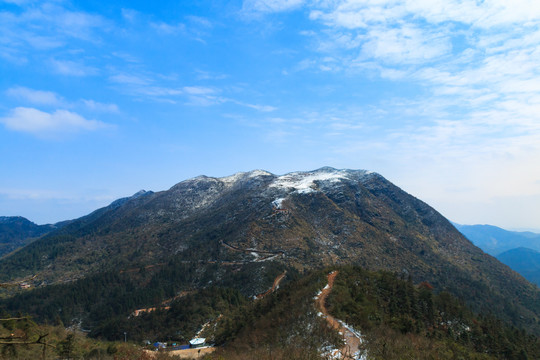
[197,342]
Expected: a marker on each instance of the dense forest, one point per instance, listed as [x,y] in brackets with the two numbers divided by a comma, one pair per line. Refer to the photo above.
[402,320]
[92,302]
[397,318]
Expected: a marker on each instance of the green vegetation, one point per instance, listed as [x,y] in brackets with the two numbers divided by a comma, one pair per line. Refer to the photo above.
[16,232]
[401,320]
[21,338]
[175,240]
[105,301]
[179,323]
[398,319]
[283,325]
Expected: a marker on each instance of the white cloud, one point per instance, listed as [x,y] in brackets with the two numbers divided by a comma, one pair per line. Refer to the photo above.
[53,18]
[35,96]
[100,107]
[204,22]
[130,14]
[40,123]
[263,108]
[198,90]
[168,28]
[18,2]
[47,194]
[130,79]
[146,85]
[268,6]
[406,44]
[483,14]
[32,194]
[72,68]
[50,98]
[49,25]
[160,91]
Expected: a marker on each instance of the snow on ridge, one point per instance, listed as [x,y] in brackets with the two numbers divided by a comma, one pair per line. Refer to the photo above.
[259,172]
[277,203]
[240,175]
[303,181]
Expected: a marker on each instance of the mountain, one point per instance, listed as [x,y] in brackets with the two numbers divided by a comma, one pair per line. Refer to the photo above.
[524,261]
[495,240]
[243,230]
[16,231]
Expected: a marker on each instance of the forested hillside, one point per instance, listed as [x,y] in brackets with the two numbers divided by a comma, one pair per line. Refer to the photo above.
[16,232]
[207,246]
[303,220]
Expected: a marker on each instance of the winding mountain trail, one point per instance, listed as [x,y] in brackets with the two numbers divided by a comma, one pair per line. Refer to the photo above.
[351,349]
[274,287]
[266,255]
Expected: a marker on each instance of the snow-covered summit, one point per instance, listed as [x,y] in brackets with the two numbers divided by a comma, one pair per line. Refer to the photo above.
[304,181]
[244,175]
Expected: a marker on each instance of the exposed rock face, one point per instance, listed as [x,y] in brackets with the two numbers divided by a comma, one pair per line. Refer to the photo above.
[306,219]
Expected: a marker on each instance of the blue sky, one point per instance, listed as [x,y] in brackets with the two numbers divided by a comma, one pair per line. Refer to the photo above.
[102,99]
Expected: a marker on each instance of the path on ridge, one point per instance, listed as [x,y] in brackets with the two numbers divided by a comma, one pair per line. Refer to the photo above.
[352,341]
[274,287]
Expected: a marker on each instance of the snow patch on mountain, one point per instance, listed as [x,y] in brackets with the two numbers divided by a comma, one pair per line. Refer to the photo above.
[305,182]
[277,203]
[232,179]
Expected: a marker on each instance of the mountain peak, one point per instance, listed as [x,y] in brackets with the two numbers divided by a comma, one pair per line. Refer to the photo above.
[244,175]
[303,219]
[304,181]
[139,193]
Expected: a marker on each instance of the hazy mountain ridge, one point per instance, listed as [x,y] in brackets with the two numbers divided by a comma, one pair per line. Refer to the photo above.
[519,250]
[305,219]
[495,240]
[524,261]
[17,231]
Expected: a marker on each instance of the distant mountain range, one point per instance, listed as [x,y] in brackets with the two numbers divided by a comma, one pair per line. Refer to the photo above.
[519,250]
[494,240]
[524,261]
[16,232]
[243,230]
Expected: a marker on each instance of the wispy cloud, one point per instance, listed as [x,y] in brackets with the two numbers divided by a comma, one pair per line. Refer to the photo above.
[38,194]
[38,97]
[198,90]
[130,14]
[130,79]
[153,86]
[47,26]
[475,65]
[169,29]
[72,68]
[263,108]
[100,107]
[33,194]
[26,95]
[268,6]
[40,123]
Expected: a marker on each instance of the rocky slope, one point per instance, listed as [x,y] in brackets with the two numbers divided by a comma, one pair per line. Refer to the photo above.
[302,219]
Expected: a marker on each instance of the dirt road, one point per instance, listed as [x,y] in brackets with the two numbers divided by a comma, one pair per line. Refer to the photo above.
[274,287]
[192,353]
[352,341]
[185,354]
